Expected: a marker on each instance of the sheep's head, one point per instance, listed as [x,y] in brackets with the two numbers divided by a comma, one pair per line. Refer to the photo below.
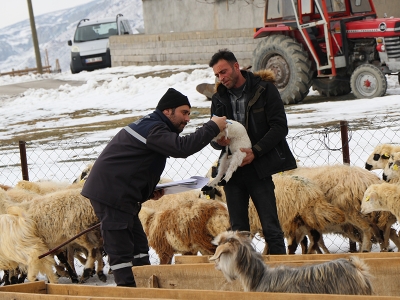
[371,201]
[379,157]
[392,168]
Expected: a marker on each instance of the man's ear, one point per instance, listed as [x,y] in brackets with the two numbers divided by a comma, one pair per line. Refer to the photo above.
[167,112]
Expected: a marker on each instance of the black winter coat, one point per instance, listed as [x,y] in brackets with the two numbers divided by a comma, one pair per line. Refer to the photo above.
[130,166]
[266,122]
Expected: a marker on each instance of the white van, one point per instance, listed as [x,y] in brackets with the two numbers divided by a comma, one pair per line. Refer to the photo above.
[90,48]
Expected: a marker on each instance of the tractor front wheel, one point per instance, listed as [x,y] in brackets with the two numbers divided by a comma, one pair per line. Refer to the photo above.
[290,63]
[368,81]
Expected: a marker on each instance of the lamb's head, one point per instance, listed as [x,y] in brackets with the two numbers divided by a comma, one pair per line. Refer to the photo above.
[371,200]
[234,249]
[392,168]
[233,130]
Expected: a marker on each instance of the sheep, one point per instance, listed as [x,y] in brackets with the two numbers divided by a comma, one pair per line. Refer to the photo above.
[60,216]
[382,197]
[237,134]
[380,155]
[344,187]
[20,246]
[301,206]
[187,227]
[236,258]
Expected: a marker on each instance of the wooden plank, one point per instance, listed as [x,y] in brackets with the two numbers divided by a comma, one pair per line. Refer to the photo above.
[205,277]
[193,259]
[37,287]
[66,292]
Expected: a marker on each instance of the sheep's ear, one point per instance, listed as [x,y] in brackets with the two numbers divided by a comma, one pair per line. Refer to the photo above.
[224,248]
[385,155]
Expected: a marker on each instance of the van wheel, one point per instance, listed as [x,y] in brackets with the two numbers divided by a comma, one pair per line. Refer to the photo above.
[73,71]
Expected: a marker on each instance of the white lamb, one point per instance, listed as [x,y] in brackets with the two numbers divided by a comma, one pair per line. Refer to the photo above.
[382,197]
[380,155]
[228,164]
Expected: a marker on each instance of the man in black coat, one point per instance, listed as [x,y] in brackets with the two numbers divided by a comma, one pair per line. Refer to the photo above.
[127,171]
[254,101]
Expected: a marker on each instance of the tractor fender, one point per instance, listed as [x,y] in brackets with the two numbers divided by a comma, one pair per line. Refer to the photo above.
[266,31]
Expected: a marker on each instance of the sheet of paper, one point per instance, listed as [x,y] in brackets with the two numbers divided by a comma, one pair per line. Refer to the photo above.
[174,187]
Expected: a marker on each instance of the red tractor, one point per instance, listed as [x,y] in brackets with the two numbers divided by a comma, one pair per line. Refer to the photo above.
[335,46]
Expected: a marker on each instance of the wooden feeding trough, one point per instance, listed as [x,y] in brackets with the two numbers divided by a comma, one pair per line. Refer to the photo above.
[192,277]
[41,291]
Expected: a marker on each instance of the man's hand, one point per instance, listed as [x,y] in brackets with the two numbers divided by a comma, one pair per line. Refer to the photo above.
[157,194]
[220,121]
[224,141]
[249,156]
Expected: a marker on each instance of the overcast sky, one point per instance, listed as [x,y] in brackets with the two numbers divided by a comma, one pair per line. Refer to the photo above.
[17,10]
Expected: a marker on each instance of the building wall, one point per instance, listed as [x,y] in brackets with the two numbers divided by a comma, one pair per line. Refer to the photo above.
[190,31]
[164,16]
[390,7]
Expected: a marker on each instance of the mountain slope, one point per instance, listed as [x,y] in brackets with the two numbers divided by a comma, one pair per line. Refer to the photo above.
[55,29]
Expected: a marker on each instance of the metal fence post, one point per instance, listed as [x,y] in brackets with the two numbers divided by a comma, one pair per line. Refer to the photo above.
[24,162]
[344,132]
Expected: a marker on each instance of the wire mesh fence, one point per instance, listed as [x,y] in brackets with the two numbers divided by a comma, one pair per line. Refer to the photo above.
[63,161]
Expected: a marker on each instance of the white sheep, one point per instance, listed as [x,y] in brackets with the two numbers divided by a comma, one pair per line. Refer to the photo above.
[380,155]
[236,258]
[344,187]
[382,197]
[228,164]
[187,226]
[20,246]
[60,216]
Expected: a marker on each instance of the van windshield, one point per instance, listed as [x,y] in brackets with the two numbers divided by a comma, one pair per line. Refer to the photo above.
[95,32]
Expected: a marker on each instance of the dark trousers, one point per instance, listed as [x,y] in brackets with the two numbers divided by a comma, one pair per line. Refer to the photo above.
[245,183]
[124,238]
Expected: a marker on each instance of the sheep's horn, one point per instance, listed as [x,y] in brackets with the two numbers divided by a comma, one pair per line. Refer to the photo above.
[221,249]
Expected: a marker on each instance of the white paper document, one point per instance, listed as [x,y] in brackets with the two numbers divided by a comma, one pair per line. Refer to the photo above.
[174,187]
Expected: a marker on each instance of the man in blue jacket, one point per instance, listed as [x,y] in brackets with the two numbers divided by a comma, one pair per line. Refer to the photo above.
[127,171]
[254,101]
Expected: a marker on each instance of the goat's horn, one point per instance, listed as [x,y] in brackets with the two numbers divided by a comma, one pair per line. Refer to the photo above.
[221,249]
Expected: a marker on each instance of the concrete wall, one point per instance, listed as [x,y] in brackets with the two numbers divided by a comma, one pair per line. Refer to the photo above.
[162,16]
[181,48]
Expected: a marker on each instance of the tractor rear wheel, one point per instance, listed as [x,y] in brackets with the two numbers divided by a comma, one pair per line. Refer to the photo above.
[368,81]
[290,63]
[331,87]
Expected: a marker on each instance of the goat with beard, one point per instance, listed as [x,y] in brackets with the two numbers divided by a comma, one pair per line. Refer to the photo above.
[128,170]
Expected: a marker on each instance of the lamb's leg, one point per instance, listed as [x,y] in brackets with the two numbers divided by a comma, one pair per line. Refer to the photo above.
[222,167]
[234,163]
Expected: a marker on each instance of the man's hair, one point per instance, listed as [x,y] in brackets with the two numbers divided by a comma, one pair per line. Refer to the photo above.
[222,54]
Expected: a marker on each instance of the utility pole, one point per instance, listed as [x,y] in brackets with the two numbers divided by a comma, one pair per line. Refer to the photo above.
[34,38]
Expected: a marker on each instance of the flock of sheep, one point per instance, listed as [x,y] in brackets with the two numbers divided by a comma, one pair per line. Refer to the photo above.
[348,200]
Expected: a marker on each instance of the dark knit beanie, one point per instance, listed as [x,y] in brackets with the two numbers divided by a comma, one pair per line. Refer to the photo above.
[172,99]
